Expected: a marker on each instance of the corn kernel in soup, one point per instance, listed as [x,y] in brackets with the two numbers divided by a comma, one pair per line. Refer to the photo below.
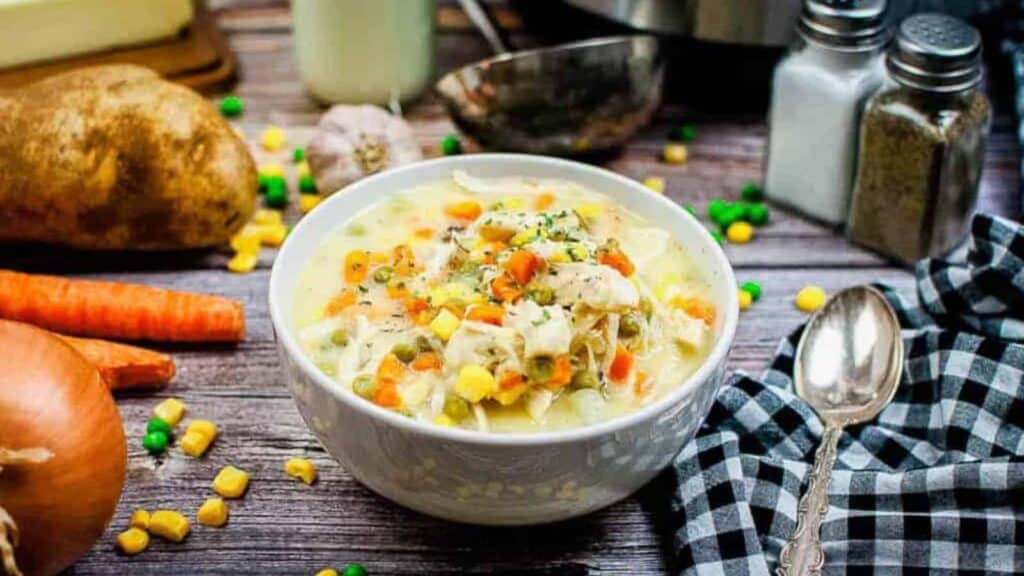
[504,305]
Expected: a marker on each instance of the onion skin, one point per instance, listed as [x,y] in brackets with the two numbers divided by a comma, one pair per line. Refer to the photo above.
[51,397]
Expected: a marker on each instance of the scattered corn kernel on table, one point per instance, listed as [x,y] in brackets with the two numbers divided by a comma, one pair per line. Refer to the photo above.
[283,526]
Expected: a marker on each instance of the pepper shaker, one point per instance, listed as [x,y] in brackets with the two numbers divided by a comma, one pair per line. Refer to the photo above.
[922,142]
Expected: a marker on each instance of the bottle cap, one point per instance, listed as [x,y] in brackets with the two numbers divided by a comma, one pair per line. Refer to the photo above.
[845,25]
[936,53]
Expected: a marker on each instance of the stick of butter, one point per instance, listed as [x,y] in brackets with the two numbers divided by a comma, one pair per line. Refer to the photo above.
[37,30]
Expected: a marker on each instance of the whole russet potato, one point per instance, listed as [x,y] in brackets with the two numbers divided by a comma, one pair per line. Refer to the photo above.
[114,157]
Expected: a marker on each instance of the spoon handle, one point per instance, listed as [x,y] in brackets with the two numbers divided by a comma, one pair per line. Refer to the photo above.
[803,555]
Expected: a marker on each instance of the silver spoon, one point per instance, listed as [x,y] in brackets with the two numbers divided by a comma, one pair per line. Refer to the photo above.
[848,365]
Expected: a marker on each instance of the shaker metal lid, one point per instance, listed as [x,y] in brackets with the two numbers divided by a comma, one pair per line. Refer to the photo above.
[936,53]
[846,25]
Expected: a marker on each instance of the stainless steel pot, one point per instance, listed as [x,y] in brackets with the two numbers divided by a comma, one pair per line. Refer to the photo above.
[745,22]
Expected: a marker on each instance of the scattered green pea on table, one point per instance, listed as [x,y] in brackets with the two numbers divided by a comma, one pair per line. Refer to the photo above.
[277,193]
[307,185]
[750,292]
[155,442]
[451,146]
[159,425]
[354,570]
[685,133]
[232,106]
[752,192]
[752,288]
[757,214]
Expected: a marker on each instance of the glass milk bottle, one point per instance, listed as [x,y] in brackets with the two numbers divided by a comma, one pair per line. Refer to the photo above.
[818,93]
[359,52]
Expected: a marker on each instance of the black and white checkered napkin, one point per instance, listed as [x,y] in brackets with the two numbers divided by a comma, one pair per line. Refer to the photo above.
[934,486]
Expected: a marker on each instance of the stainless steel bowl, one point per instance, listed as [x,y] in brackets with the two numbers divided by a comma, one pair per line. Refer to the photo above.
[568,100]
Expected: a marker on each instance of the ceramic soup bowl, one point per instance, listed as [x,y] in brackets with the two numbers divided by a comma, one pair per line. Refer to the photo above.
[489,478]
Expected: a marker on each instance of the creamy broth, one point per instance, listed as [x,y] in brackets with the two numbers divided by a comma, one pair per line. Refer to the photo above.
[506,305]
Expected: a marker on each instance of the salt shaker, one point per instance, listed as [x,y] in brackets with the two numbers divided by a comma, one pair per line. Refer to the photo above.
[818,93]
[922,142]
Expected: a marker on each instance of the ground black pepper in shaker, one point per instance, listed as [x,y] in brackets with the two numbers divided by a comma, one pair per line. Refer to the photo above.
[922,142]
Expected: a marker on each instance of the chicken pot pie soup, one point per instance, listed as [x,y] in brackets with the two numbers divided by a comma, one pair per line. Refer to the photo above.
[504,305]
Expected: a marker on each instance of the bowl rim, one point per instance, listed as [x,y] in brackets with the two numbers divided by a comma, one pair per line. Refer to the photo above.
[716,357]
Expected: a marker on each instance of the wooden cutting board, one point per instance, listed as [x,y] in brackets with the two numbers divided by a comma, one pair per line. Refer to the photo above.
[199,57]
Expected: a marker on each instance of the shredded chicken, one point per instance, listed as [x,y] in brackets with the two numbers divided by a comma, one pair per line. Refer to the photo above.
[480,343]
[546,330]
[597,286]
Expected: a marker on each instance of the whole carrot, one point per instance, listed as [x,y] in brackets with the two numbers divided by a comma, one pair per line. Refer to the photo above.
[119,310]
[125,367]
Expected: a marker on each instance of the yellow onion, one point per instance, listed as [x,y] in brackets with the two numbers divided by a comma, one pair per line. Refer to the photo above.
[62,453]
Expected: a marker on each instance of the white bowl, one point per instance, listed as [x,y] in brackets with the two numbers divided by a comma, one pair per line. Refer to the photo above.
[500,479]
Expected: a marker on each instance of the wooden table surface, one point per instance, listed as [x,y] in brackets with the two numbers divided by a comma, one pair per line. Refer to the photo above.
[284,527]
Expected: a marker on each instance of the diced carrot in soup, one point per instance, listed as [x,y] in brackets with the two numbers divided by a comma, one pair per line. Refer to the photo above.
[522,265]
[544,201]
[467,210]
[504,288]
[386,395]
[622,364]
[617,259]
[510,380]
[343,300]
[426,361]
[561,375]
[697,308]
[489,313]
[357,264]
[390,369]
